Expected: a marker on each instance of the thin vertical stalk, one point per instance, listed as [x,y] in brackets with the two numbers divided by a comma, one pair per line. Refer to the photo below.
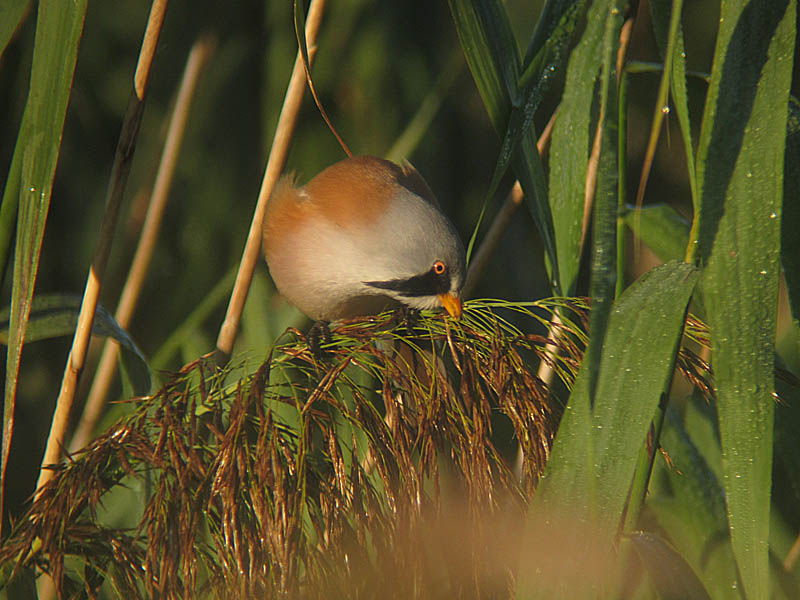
[198,56]
[119,176]
[275,164]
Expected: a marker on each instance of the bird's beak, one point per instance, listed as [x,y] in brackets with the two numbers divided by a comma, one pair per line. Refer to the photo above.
[452,304]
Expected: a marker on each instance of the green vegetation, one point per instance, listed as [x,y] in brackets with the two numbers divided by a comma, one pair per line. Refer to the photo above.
[633,435]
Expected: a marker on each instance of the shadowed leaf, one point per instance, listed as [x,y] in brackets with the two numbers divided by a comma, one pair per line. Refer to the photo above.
[56,315]
[672,577]
[740,171]
[660,227]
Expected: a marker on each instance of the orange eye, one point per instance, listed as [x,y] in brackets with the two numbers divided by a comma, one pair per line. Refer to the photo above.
[439,267]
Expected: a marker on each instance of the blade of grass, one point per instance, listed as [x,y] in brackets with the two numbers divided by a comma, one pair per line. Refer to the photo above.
[582,494]
[535,81]
[569,154]
[740,170]
[492,54]
[604,226]
[198,56]
[552,12]
[119,176]
[58,31]
[275,164]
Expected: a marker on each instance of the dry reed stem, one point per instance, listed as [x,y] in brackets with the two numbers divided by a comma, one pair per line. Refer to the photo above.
[275,164]
[502,220]
[119,176]
[198,56]
[149,44]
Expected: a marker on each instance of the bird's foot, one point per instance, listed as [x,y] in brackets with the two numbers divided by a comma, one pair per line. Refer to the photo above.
[320,333]
[407,317]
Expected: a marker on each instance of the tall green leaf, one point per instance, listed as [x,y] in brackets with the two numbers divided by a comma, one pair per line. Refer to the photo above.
[569,153]
[740,175]
[491,52]
[604,223]
[58,30]
[581,497]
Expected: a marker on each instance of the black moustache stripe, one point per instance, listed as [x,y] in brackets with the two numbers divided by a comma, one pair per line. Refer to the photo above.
[427,284]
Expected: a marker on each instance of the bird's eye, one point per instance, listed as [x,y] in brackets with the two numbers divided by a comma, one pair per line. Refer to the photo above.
[439,267]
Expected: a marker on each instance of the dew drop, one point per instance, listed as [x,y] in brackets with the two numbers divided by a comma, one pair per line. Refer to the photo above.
[748,174]
[772,215]
[665,110]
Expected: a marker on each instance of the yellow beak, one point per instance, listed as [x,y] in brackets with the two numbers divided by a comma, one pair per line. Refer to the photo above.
[452,304]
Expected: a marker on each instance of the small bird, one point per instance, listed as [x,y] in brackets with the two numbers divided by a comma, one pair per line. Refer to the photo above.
[362,236]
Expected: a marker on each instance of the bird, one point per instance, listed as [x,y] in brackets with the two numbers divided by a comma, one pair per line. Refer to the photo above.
[363,236]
